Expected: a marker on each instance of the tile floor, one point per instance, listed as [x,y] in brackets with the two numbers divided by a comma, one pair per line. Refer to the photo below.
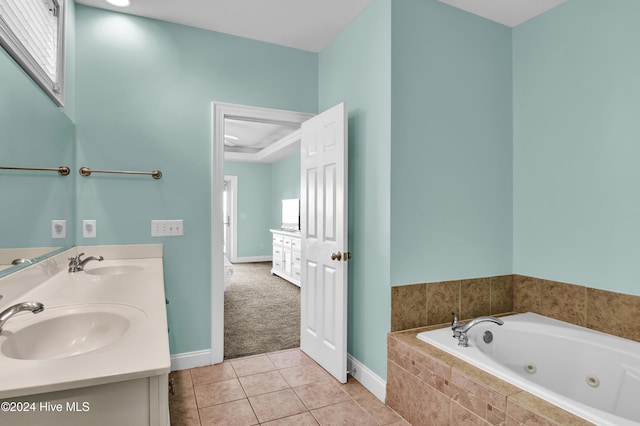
[279,388]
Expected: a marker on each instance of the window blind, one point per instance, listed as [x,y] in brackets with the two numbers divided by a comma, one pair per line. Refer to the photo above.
[30,30]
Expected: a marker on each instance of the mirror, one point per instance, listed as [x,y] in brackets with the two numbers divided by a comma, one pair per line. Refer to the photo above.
[35,133]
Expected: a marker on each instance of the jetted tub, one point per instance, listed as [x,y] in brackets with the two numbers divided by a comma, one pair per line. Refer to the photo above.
[591,374]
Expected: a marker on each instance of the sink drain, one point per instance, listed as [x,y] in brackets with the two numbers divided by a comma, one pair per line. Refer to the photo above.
[530,368]
[487,336]
[593,381]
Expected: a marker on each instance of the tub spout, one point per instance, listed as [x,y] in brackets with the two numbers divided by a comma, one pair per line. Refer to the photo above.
[460,330]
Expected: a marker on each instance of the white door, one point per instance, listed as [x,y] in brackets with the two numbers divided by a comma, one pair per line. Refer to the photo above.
[323,212]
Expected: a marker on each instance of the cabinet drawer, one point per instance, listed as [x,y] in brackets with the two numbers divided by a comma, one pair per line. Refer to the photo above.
[277,240]
[286,241]
[296,259]
[277,253]
[296,244]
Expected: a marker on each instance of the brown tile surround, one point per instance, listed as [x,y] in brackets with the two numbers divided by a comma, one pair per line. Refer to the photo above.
[419,305]
[427,386]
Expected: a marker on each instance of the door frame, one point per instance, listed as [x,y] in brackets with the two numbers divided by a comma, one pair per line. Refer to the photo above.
[232,208]
[219,112]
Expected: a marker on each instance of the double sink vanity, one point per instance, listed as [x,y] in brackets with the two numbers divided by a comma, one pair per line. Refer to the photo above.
[99,352]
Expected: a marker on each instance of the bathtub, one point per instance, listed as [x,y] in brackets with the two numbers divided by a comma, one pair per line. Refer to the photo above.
[591,374]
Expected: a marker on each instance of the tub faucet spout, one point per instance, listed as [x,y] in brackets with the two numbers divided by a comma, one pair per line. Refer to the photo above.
[460,330]
[35,307]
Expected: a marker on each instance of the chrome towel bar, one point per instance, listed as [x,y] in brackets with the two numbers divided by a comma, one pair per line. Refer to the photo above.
[85,171]
[62,170]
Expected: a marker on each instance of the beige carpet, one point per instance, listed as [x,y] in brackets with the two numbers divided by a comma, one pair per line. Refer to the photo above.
[261,312]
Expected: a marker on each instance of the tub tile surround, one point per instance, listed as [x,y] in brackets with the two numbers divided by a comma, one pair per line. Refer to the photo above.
[419,305]
[428,386]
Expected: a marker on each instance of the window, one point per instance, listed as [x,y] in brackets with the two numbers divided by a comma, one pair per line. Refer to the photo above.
[32,31]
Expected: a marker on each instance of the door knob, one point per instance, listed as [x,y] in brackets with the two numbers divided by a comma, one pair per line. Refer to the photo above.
[336,256]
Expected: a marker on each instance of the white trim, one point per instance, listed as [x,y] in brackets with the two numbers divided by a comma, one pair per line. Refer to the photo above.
[220,111]
[188,360]
[251,259]
[367,378]
[278,150]
[232,200]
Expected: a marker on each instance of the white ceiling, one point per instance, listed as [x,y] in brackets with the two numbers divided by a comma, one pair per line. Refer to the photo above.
[506,12]
[302,24]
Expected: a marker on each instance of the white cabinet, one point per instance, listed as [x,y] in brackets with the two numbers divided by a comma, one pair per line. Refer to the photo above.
[286,255]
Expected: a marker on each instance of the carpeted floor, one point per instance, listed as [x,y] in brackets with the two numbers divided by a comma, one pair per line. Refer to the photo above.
[261,312]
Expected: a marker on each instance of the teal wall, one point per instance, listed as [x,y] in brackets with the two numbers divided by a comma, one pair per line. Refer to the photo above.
[143,101]
[285,184]
[451,149]
[255,199]
[576,144]
[356,68]
[261,188]
[34,132]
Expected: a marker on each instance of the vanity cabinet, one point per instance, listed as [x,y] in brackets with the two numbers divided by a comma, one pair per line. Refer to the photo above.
[286,255]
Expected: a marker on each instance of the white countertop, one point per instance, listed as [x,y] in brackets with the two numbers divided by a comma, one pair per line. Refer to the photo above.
[142,351]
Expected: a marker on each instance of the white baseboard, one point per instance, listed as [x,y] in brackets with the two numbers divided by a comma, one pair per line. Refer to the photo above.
[250,259]
[359,371]
[367,378]
[188,360]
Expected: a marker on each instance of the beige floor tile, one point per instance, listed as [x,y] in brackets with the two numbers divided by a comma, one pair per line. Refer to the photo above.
[183,400]
[218,393]
[212,373]
[321,394]
[344,414]
[236,413]
[304,419]
[354,388]
[276,405]
[185,418]
[382,414]
[304,374]
[258,384]
[289,358]
[252,365]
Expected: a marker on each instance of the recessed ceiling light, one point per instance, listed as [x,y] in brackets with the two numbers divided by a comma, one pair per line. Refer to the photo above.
[120,3]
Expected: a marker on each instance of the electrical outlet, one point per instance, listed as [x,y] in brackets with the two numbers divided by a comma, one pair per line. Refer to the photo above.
[167,228]
[89,228]
[59,228]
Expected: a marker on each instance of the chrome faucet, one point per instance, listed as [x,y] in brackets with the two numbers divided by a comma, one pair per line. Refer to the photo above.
[35,307]
[460,330]
[77,265]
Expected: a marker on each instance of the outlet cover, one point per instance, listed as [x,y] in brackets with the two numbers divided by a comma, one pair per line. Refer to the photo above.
[59,228]
[89,228]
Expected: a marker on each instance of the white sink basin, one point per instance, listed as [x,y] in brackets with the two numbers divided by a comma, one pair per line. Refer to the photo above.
[114,270]
[67,331]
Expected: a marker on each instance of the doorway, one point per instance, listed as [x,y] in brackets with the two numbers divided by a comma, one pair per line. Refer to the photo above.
[222,112]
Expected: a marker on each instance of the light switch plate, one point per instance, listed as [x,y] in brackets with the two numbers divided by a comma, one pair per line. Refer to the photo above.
[167,228]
